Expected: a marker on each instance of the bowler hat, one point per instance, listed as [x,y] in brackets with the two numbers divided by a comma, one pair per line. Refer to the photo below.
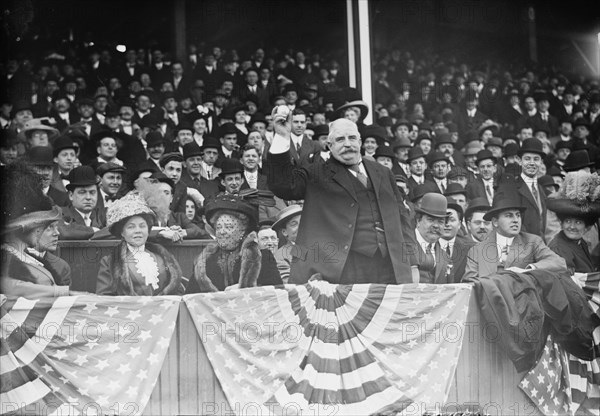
[229,166]
[257,118]
[415,153]
[210,143]
[82,176]
[191,149]
[289,88]
[109,167]
[402,122]
[576,160]
[532,146]
[423,189]
[503,202]
[62,143]
[40,156]
[483,155]
[227,128]
[377,132]
[511,149]
[453,205]
[436,157]
[170,157]
[547,180]
[455,189]
[563,145]
[479,204]
[384,151]
[472,148]
[434,205]
[154,138]
[286,214]
[494,141]
[402,142]
[321,130]
[161,177]
[543,129]
[581,122]
[443,138]
[97,137]
[184,125]
[20,105]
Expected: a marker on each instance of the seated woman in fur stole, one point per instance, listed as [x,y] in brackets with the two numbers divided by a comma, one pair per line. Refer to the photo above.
[136,267]
[235,260]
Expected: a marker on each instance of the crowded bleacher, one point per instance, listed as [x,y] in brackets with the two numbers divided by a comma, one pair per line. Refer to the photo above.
[190,147]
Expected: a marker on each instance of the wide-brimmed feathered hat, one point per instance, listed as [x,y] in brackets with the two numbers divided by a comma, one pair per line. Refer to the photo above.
[246,202]
[578,196]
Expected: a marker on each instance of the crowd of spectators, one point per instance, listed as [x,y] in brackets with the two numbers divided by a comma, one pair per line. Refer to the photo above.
[94,124]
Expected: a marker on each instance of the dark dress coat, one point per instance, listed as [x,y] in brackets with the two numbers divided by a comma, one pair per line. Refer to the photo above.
[576,253]
[331,212]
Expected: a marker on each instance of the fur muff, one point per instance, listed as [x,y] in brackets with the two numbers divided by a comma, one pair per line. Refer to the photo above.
[122,283]
[211,262]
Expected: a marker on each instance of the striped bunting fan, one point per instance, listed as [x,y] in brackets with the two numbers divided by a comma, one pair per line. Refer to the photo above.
[82,354]
[333,349]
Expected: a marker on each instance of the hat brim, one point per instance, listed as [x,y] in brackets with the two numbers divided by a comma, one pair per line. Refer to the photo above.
[280,223]
[364,109]
[575,168]
[73,185]
[567,207]
[493,211]
[436,214]
[34,219]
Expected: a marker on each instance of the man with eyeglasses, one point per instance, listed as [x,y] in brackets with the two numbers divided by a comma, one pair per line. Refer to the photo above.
[477,228]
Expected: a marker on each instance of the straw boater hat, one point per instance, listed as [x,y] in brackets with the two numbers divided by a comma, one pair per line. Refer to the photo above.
[362,106]
[37,124]
[285,215]
[578,197]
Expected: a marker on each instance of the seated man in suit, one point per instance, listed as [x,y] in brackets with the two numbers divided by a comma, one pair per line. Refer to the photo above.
[454,246]
[506,247]
[431,218]
[81,219]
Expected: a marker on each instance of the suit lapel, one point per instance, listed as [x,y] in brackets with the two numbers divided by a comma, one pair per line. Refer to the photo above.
[441,264]
[375,177]
[489,255]
[513,251]
[342,177]
[524,190]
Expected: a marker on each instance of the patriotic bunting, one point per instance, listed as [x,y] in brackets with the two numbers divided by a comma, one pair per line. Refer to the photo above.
[358,349]
[84,354]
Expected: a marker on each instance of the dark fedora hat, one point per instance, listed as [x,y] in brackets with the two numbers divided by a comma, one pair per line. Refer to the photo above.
[503,202]
[227,128]
[511,149]
[62,143]
[479,204]
[576,160]
[456,172]
[434,205]
[563,145]
[494,141]
[483,155]
[547,180]
[154,138]
[184,125]
[230,166]
[423,189]
[443,138]
[532,146]
[377,132]
[191,149]
[436,157]
[402,142]
[321,130]
[384,151]
[453,205]
[455,189]
[82,176]
[415,153]
[581,121]
[210,143]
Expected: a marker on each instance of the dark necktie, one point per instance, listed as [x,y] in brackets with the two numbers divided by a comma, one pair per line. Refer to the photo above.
[429,258]
[442,187]
[536,196]
[448,251]
[362,178]
[110,198]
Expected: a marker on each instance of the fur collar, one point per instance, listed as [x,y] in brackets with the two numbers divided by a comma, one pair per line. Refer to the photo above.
[122,283]
[208,266]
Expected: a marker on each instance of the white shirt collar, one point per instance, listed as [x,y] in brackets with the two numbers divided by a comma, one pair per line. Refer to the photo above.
[134,249]
[502,241]
[422,242]
[445,243]
[529,181]
[226,152]
[83,215]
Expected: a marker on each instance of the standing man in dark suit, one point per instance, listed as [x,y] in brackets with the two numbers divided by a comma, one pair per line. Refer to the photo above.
[301,146]
[469,118]
[159,71]
[484,185]
[352,231]
[529,195]
[542,119]
[181,81]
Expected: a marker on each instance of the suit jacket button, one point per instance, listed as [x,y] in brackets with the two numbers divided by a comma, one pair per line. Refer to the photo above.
[352,205]
[346,248]
[349,225]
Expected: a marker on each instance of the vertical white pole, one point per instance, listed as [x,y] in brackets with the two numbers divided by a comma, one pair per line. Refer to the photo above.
[364,30]
[351,54]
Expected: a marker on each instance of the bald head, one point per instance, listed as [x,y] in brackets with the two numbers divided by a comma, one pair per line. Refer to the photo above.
[344,141]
